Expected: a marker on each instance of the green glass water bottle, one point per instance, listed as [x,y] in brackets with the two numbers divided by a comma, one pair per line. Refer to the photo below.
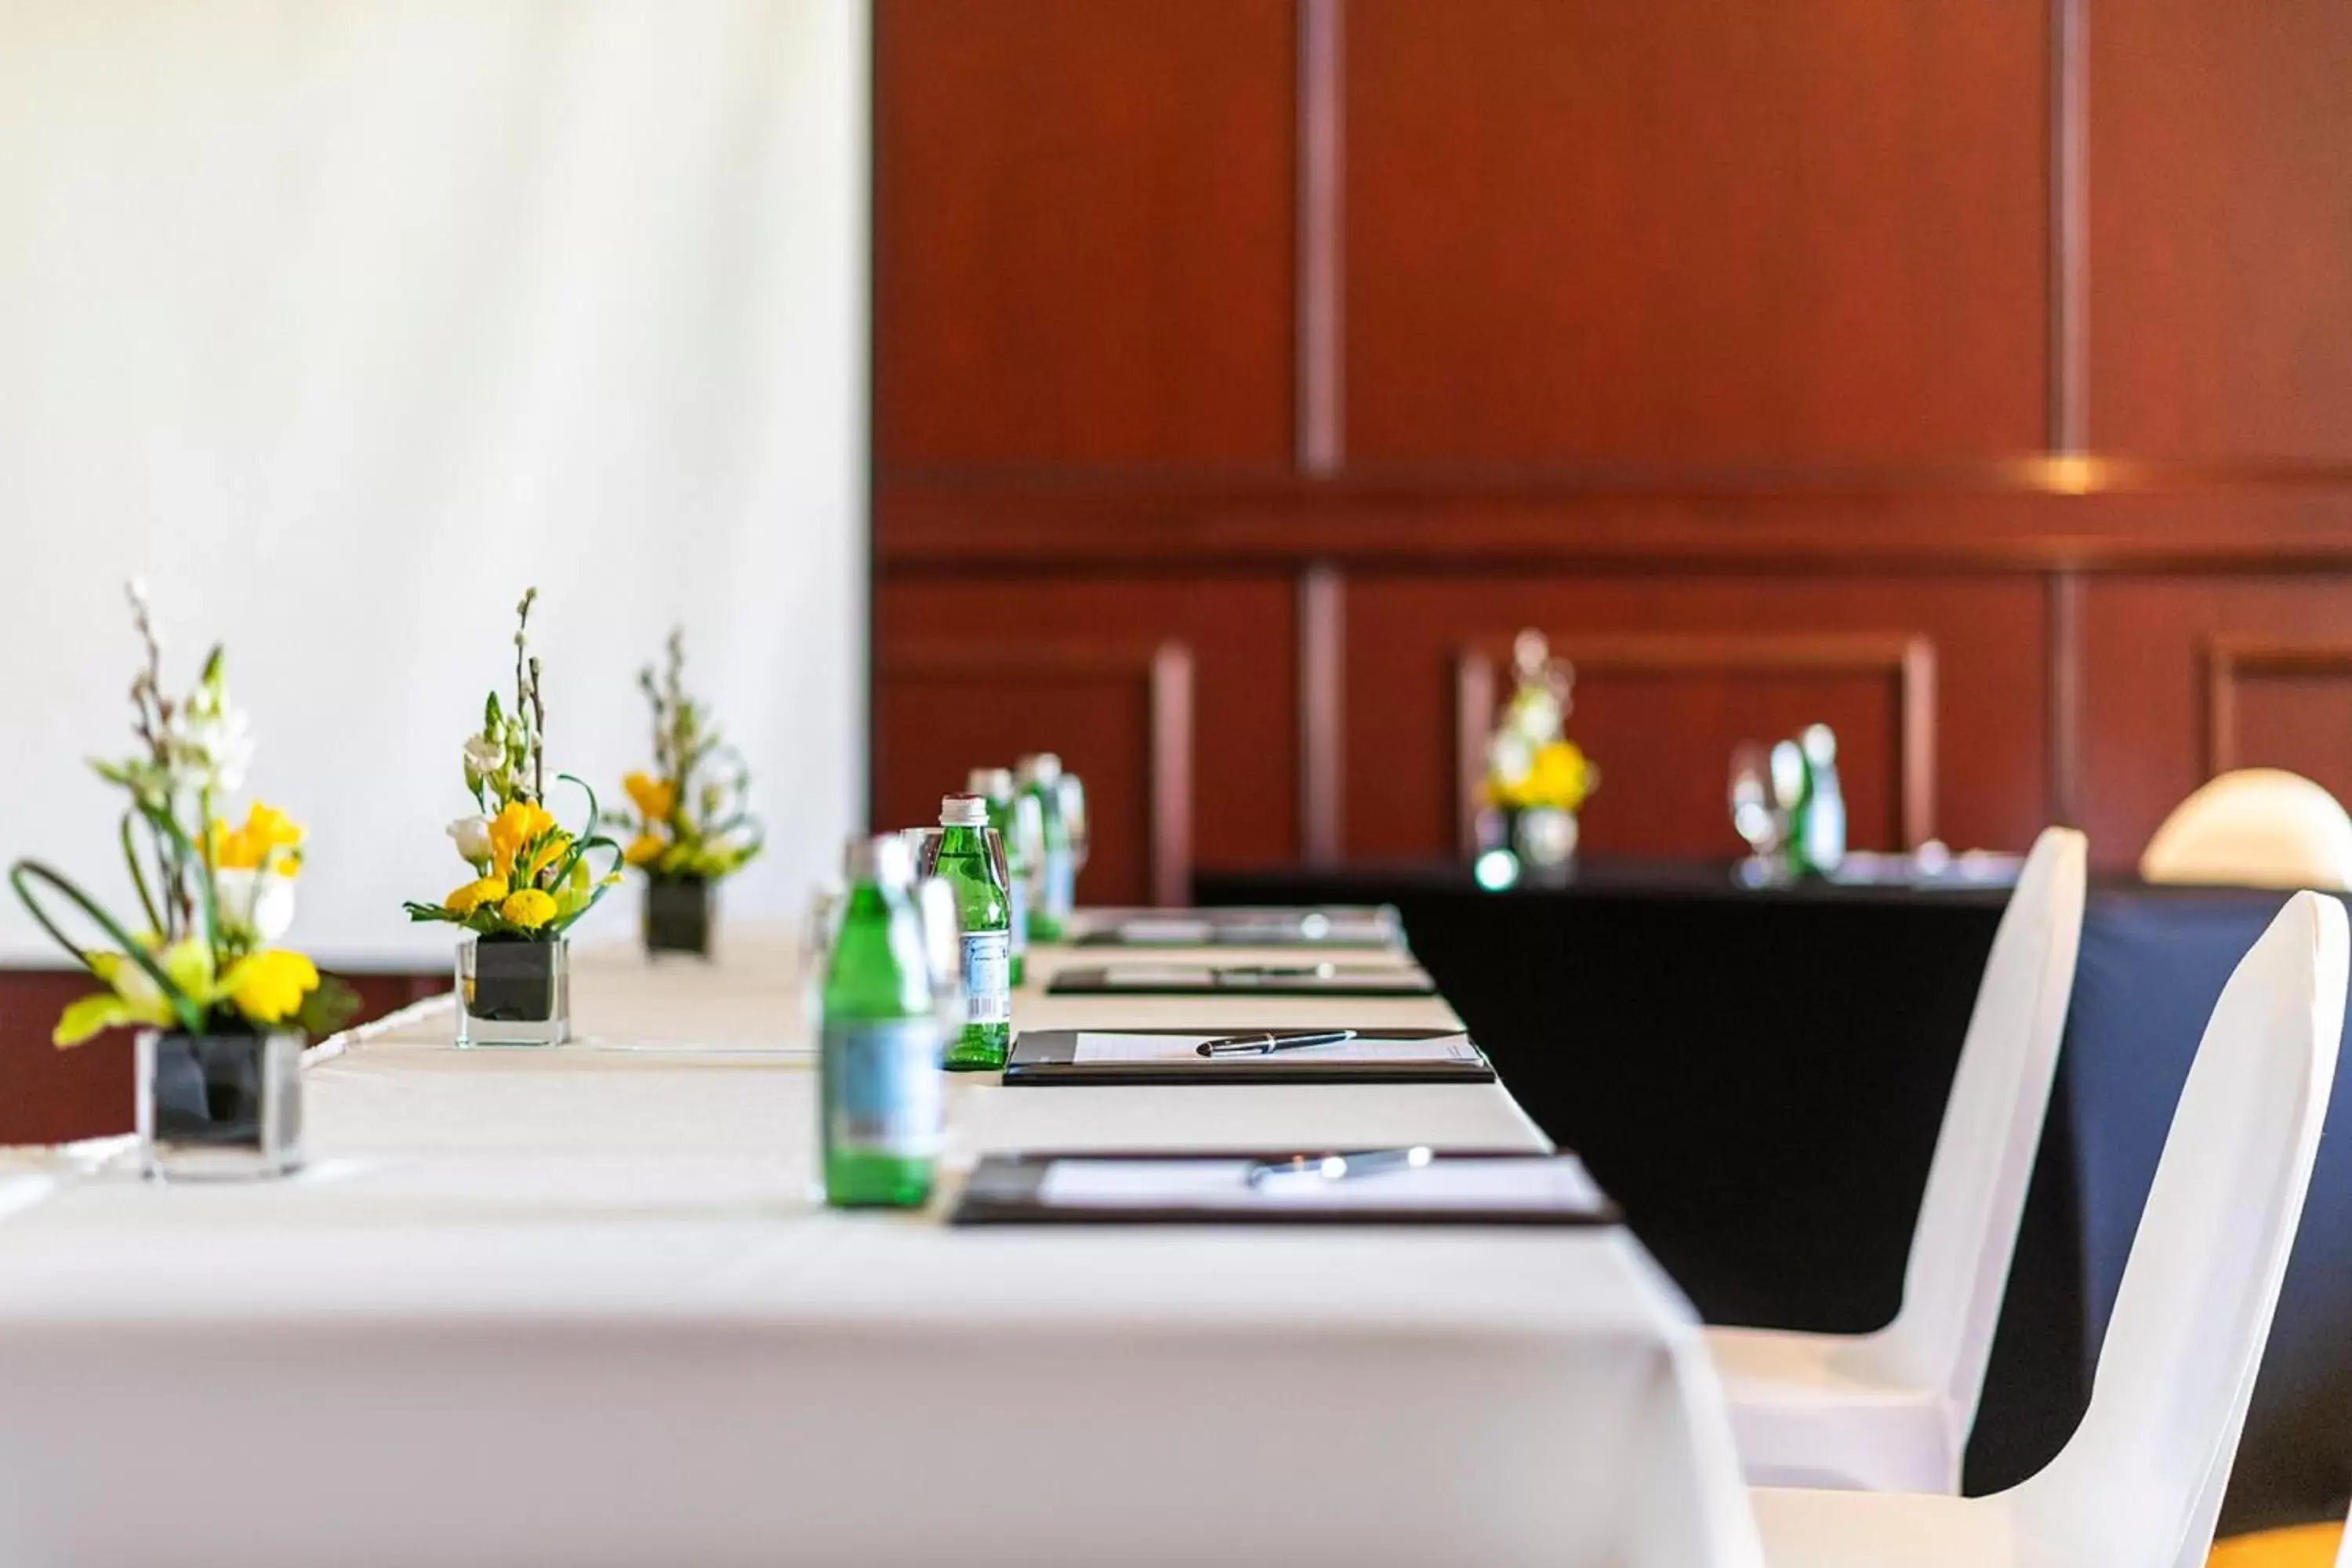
[971,862]
[1041,778]
[882,1097]
[995,786]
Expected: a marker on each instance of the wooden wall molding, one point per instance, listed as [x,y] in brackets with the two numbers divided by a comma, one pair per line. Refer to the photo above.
[2231,659]
[2069,218]
[1322,708]
[1907,661]
[1322,143]
[2093,514]
[1161,676]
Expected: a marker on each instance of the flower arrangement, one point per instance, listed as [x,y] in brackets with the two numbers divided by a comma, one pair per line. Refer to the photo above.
[1530,762]
[690,823]
[213,897]
[531,879]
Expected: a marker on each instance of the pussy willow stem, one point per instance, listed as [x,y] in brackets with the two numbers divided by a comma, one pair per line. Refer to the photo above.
[190,1019]
[139,875]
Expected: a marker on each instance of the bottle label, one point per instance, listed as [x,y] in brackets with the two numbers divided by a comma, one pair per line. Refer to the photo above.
[885,1091]
[988,977]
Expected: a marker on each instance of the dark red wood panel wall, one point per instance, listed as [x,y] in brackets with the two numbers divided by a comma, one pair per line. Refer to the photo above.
[1971,376]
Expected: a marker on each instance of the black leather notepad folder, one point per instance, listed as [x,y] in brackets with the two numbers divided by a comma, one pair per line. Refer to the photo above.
[1277,1189]
[1157,977]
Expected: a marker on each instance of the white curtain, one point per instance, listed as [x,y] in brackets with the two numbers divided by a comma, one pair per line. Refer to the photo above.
[341,322]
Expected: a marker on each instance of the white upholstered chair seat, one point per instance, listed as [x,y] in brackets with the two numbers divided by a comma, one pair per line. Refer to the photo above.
[1847,1530]
[1824,1410]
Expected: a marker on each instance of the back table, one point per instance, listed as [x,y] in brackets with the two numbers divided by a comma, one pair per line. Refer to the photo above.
[580,1306]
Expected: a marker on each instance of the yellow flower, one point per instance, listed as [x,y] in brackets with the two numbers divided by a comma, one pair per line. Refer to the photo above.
[247,849]
[529,909]
[1560,777]
[268,987]
[654,798]
[549,855]
[517,825]
[643,848]
[474,895]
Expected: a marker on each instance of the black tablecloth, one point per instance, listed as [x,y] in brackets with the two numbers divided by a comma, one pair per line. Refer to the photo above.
[1758,1076]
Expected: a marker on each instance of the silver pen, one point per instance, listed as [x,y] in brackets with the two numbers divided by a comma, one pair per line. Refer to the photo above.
[1339,1167]
[1251,974]
[1262,1043]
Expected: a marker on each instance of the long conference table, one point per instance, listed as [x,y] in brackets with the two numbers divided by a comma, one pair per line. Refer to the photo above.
[584,1306]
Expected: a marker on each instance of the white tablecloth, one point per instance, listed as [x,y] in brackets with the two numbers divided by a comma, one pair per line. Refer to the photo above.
[581,1307]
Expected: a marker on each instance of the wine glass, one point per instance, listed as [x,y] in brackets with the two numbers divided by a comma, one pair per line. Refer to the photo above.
[1754,811]
[1073,801]
[942,934]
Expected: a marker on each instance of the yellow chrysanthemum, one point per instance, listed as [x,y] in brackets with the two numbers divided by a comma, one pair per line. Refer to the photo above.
[268,987]
[474,895]
[643,848]
[653,796]
[517,825]
[529,909]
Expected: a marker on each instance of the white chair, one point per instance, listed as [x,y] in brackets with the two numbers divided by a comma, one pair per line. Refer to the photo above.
[1891,1411]
[2260,827]
[2139,1485]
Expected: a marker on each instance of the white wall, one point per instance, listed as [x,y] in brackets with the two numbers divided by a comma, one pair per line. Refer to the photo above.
[340,321]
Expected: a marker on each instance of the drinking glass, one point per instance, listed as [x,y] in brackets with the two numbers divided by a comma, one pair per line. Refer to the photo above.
[1754,811]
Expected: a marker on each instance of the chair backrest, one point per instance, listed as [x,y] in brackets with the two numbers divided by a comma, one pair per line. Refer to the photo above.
[2262,827]
[2140,1483]
[1969,1215]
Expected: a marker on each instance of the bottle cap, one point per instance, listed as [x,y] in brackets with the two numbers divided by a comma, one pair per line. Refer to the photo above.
[1044,767]
[996,783]
[964,810]
[883,858]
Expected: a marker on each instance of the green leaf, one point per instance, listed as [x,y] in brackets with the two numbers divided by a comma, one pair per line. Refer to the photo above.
[328,1008]
[26,873]
[90,1016]
[188,965]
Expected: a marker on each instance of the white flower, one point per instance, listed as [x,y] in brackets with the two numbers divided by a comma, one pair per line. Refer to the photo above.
[209,741]
[1509,757]
[483,755]
[1536,714]
[473,837]
[260,902]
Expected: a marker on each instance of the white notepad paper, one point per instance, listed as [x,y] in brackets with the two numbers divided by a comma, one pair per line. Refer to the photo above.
[1536,1185]
[1092,1047]
[1167,932]
[1158,974]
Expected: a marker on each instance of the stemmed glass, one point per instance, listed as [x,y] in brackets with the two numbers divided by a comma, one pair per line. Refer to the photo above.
[1073,800]
[1755,816]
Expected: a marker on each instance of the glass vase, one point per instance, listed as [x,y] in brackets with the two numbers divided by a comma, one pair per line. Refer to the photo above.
[512,991]
[680,915]
[219,1107]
